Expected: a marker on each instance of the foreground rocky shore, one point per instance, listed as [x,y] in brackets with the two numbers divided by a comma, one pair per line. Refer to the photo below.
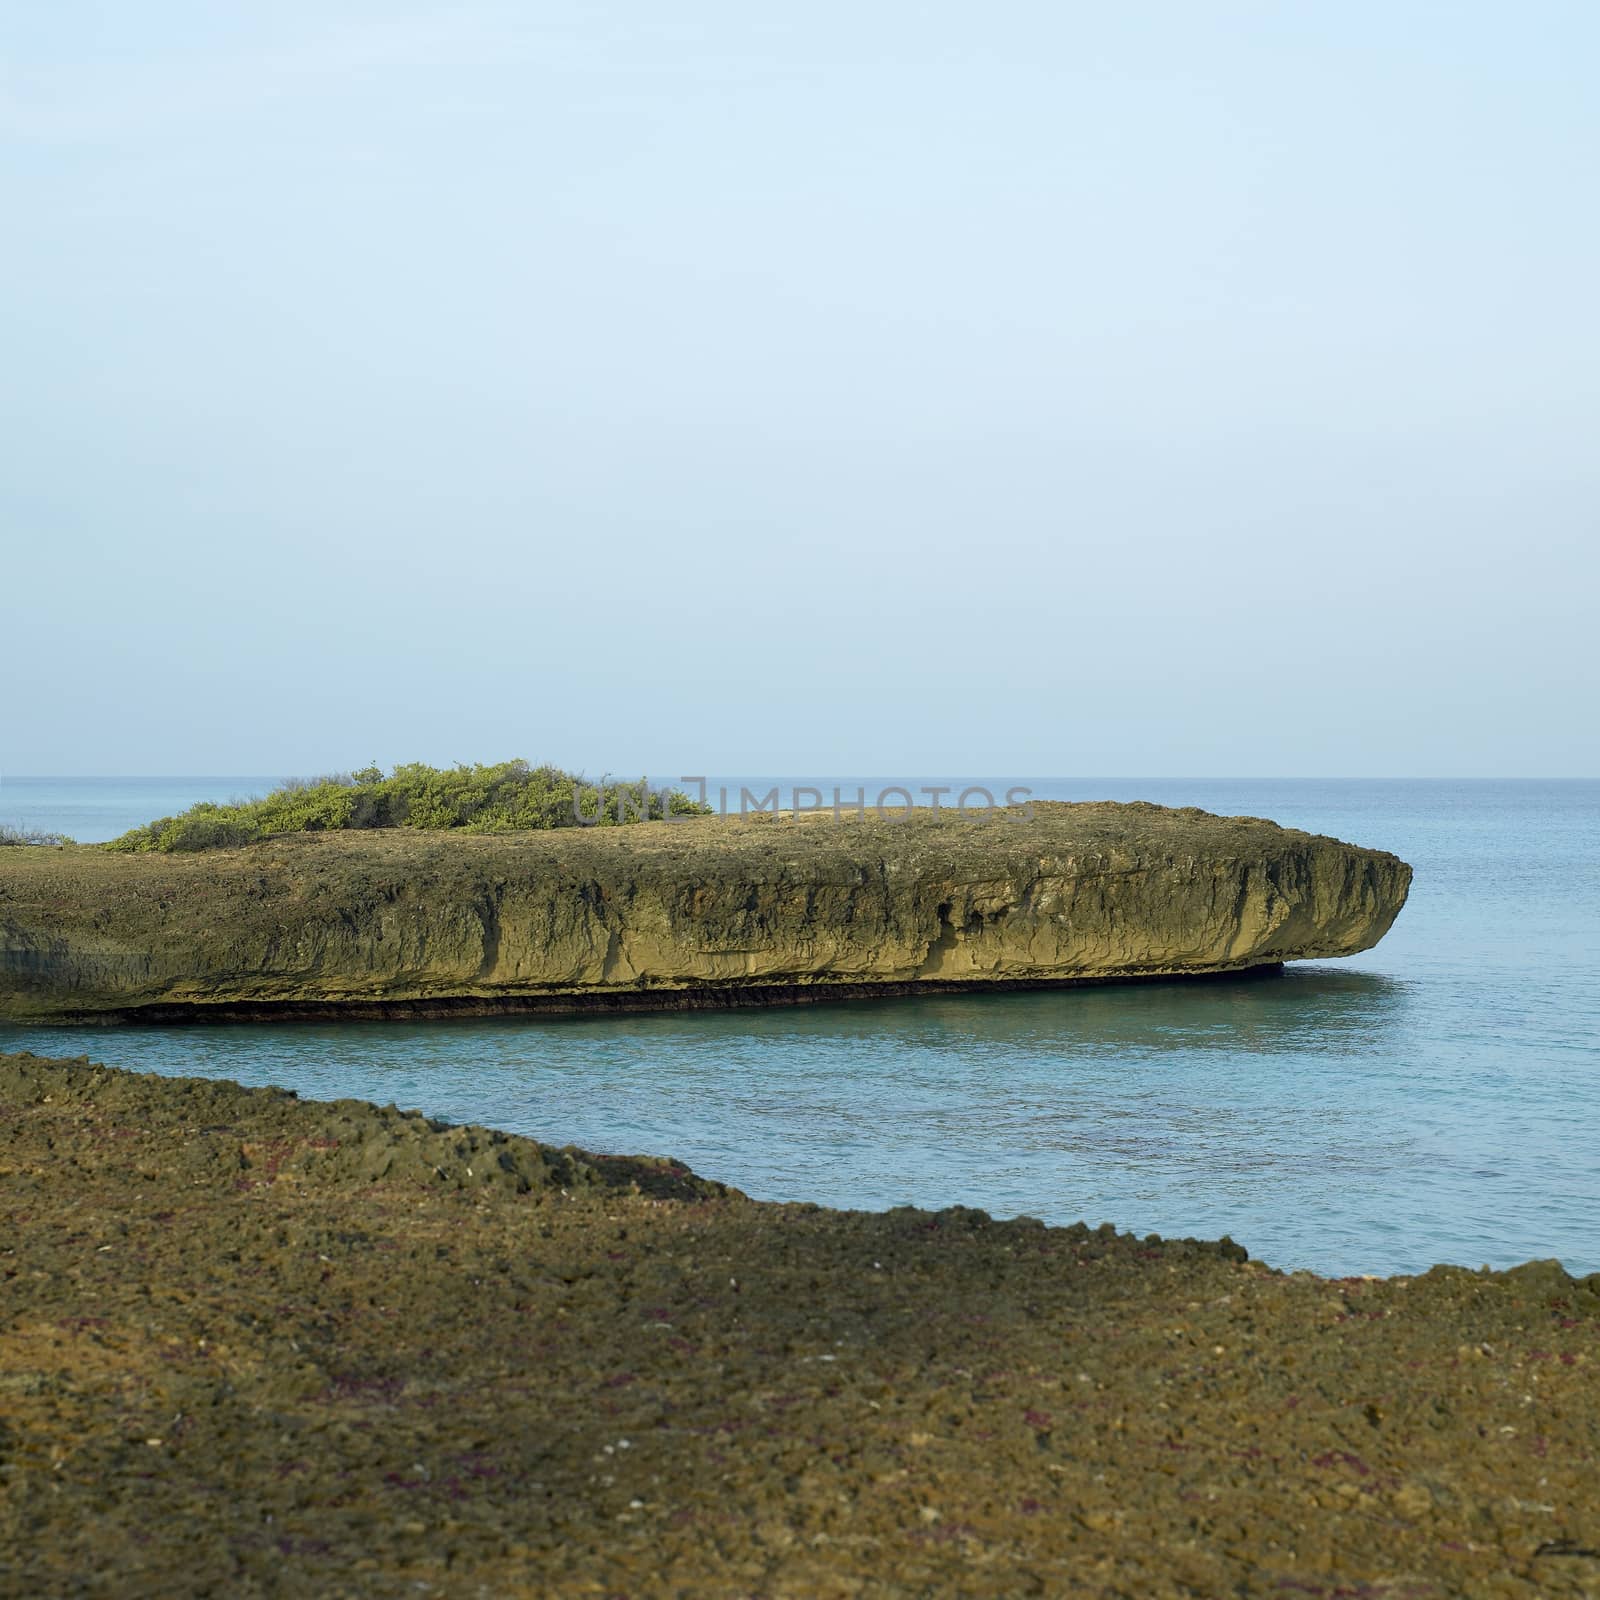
[253,1345]
[695,912]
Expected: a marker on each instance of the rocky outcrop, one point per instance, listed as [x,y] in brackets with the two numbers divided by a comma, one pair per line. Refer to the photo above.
[256,1346]
[708,911]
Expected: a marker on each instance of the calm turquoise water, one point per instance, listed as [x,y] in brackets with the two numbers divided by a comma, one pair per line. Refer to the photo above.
[1432,1100]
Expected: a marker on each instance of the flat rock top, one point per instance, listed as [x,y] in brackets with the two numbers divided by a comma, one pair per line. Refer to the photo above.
[255,1345]
[706,849]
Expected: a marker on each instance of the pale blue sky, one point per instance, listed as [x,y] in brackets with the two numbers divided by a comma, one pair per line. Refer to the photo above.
[1035,387]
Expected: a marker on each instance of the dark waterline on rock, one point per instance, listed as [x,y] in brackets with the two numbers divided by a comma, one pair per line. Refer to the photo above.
[576,1007]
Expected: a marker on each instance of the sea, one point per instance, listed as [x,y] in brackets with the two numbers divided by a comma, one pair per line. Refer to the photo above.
[1432,1100]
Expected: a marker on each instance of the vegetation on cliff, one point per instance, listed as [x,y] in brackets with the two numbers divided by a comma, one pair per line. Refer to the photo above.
[503,798]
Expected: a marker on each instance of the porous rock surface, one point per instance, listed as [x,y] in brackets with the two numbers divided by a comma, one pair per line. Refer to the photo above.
[256,1346]
[704,911]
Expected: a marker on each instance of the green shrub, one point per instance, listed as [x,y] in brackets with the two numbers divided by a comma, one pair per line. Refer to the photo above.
[503,798]
[207,827]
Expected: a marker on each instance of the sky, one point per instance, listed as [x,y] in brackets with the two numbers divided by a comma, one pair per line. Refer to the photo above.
[1047,387]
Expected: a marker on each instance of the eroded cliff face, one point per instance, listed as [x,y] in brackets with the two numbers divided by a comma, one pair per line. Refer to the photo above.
[705,911]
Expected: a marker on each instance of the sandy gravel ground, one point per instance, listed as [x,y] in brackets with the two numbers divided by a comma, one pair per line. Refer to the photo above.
[253,1345]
